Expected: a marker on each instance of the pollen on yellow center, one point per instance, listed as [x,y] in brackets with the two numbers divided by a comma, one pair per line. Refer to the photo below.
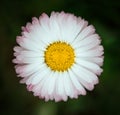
[59,56]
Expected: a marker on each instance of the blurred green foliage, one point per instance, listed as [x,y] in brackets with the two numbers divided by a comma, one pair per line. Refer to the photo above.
[105,99]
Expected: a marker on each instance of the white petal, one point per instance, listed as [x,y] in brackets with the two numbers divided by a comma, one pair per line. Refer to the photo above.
[89,65]
[54,27]
[44,71]
[29,44]
[31,54]
[76,83]
[84,75]
[44,91]
[68,32]
[97,60]
[28,60]
[60,91]
[87,85]
[44,22]
[38,88]
[51,84]
[87,31]
[27,70]
[90,53]
[18,49]
[89,42]
[69,90]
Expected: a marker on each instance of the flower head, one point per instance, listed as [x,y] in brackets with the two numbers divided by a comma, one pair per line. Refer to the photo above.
[58,56]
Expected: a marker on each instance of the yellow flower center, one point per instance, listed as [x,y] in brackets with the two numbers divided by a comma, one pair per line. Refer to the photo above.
[59,56]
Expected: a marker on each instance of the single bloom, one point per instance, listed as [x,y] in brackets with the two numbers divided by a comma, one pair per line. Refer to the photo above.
[58,56]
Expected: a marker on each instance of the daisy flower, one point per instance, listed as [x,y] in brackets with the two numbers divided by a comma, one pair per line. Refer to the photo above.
[58,56]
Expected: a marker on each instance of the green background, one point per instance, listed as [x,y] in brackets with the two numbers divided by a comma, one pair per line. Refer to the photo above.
[103,100]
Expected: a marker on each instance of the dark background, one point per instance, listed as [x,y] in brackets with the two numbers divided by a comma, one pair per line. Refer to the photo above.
[103,100]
